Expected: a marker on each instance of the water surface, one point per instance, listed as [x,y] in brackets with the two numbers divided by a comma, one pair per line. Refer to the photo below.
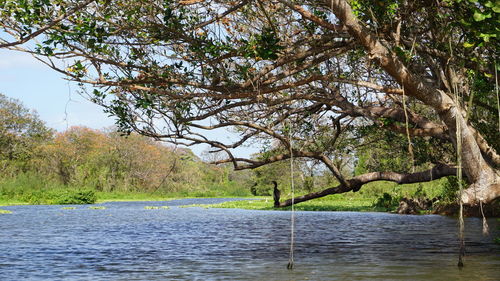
[127,242]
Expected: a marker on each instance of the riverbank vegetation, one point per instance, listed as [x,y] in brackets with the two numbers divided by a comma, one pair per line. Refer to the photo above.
[82,166]
[368,200]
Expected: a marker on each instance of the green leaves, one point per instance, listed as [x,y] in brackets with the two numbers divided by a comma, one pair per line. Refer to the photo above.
[384,11]
[78,69]
[263,46]
[478,16]
[20,130]
[468,45]
[480,21]
[495,7]
[486,37]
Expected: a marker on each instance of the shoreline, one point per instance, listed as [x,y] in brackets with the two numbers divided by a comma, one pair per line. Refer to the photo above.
[263,203]
[140,198]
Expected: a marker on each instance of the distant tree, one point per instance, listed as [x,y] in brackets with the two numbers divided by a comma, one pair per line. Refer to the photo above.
[21,132]
[305,74]
[69,151]
[140,161]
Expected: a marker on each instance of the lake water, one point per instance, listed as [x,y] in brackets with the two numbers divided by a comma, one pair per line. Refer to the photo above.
[127,242]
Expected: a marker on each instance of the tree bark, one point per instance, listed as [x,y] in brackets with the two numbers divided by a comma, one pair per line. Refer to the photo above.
[484,179]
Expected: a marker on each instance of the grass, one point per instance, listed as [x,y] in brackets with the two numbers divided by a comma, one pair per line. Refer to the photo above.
[363,201]
[118,196]
[49,196]
[11,202]
[226,190]
[30,189]
[138,196]
[329,203]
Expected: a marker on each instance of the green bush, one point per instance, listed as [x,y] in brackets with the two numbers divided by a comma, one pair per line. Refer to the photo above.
[59,196]
[77,197]
[387,201]
[450,188]
[259,190]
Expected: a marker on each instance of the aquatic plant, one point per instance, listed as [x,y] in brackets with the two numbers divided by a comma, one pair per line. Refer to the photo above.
[97,208]
[5,211]
[156,207]
[68,208]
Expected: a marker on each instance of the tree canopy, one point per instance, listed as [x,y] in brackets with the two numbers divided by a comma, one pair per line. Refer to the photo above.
[314,79]
[21,130]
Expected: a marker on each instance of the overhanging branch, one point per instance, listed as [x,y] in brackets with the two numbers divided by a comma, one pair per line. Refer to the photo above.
[357,182]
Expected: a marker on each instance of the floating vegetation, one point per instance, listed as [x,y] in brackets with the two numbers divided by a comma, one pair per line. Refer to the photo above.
[156,207]
[204,206]
[5,211]
[194,205]
[97,208]
[68,208]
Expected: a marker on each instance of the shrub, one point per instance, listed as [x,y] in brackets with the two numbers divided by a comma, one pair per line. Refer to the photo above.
[77,197]
[387,201]
[450,189]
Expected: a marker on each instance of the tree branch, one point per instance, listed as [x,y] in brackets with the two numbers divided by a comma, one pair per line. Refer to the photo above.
[357,182]
[47,26]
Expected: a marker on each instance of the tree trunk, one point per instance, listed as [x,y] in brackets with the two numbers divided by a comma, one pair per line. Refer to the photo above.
[484,179]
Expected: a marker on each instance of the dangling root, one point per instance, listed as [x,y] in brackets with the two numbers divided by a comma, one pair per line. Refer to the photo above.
[486,230]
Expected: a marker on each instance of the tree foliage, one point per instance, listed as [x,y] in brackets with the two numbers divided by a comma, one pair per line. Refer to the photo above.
[21,131]
[299,78]
[35,157]
[109,161]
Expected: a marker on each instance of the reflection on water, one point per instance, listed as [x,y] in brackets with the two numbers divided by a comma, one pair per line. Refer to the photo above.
[127,242]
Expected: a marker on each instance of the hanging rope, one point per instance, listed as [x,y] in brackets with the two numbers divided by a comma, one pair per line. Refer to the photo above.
[498,98]
[410,146]
[461,235]
[458,135]
[292,228]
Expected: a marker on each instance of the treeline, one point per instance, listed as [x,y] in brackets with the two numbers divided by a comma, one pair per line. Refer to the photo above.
[36,161]
[108,161]
[35,158]
[40,165]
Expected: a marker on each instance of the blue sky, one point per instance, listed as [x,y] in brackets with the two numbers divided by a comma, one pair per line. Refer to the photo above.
[57,101]
[44,90]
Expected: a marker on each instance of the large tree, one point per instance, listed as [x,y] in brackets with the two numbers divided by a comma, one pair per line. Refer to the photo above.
[298,78]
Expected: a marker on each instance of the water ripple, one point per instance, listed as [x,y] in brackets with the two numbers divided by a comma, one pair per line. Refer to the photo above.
[127,242]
